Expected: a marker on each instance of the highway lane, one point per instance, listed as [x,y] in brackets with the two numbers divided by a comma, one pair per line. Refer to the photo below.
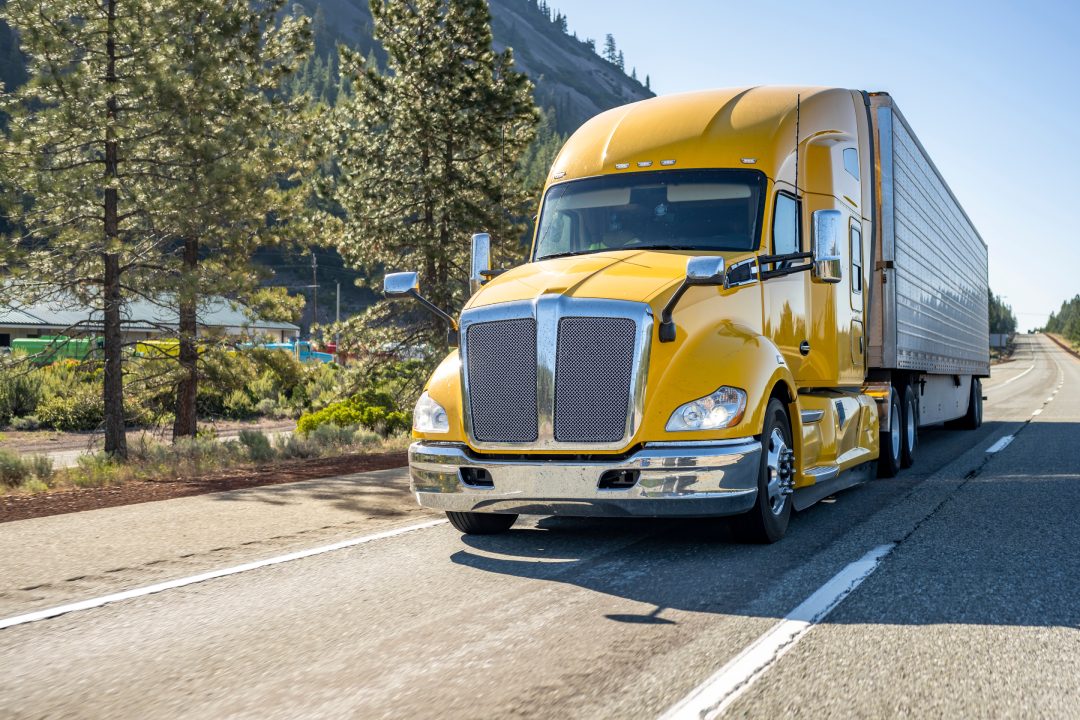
[587,618]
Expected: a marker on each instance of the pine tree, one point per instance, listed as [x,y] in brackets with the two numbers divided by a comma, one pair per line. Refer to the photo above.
[648,83]
[237,136]
[591,43]
[620,62]
[428,154]
[611,52]
[83,157]
[633,74]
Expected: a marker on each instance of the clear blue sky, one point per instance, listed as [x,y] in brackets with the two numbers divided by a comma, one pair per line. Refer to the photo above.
[992,90]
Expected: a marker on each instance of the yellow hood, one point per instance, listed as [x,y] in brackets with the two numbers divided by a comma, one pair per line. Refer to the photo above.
[634,275]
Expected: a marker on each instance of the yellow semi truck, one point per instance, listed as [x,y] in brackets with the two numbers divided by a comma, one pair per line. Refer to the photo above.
[738,302]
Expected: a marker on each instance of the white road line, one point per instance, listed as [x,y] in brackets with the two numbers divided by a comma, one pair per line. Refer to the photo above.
[995,387]
[1037,413]
[203,577]
[715,695]
[1000,444]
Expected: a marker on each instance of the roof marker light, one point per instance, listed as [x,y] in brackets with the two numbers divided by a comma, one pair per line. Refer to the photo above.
[645,163]
[560,175]
[749,161]
[621,166]
[667,163]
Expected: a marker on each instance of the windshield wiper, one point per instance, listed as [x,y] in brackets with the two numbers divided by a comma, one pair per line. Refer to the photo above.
[566,254]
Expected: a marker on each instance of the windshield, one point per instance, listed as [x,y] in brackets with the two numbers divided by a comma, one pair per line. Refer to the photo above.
[670,210]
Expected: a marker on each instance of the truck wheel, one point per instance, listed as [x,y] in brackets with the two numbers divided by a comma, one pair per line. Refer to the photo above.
[892,442]
[974,417]
[472,523]
[911,428]
[768,520]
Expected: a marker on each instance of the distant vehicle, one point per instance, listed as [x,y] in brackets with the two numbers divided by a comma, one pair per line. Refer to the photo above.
[738,302]
[49,349]
[302,350]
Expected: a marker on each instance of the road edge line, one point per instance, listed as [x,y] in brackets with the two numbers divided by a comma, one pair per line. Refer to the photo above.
[97,602]
[725,686]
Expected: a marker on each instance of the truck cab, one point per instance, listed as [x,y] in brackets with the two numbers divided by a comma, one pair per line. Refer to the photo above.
[689,335]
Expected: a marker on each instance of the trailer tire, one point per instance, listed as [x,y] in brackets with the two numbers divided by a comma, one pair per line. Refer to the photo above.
[892,442]
[472,523]
[973,419]
[910,434]
[768,520]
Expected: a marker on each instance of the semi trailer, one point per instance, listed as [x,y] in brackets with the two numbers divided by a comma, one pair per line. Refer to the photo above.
[737,302]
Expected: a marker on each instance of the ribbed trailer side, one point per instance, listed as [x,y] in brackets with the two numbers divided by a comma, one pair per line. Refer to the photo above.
[929,301]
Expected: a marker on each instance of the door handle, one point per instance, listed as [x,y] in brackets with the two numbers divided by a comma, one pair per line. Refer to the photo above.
[804,348]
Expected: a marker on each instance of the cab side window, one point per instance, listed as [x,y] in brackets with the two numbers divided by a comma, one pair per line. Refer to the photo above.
[856,259]
[786,226]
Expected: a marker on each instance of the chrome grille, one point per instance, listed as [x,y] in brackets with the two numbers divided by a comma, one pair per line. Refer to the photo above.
[502,380]
[593,373]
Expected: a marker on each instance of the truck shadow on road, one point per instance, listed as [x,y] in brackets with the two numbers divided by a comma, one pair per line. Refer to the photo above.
[1002,550]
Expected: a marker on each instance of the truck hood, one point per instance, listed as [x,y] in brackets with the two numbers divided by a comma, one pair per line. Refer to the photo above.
[634,275]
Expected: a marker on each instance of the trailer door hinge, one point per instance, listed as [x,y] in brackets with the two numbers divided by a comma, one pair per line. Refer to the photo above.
[885,265]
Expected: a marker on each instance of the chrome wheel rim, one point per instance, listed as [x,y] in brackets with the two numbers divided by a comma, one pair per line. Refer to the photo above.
[895,430]
[778,461]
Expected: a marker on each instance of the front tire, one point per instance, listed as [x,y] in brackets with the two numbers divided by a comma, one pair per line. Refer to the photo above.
[472,523]
[768,520]
[892,442]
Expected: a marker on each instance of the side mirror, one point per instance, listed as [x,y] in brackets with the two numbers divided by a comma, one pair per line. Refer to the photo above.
[401,285]
[827,227]
[481,260]
[704,270]
[397,286]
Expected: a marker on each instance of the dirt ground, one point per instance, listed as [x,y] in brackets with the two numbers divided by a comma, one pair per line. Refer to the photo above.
[46,441]
[22,507]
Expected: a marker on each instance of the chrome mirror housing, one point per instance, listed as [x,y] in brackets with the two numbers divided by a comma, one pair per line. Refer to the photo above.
[826,242]
[401,284]
[705,270]
[481,260]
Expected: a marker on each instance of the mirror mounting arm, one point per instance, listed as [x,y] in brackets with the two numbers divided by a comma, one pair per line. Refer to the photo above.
[699,271]
[453,335]
[667,325]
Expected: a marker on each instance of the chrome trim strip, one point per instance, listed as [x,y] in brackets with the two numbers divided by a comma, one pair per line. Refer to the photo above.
[699,443]
[821,474]
[811,416]
[547,310]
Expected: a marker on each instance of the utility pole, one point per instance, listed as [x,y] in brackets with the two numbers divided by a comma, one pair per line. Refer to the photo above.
[314,293]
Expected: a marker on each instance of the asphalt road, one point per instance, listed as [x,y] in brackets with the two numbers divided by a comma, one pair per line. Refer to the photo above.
[975,611]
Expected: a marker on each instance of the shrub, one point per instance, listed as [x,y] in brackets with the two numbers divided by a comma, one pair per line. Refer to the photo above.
[373,409]
[257,445]
[25,424]
[267,407]
[366,438]
[332,436]
[80,408]
[98,470]
[41,466]
[13,470]
[239,405]
[20,393]
[295,446]
[34,485]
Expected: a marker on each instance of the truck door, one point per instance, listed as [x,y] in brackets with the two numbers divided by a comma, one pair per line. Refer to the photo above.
[785,301]
[855,256]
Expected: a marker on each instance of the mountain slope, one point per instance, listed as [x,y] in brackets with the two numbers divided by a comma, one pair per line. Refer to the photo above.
[569,76]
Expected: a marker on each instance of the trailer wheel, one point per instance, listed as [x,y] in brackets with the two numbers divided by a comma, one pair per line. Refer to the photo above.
[973,419]
[892,442]
[911,428]
[767,521]
[472,523]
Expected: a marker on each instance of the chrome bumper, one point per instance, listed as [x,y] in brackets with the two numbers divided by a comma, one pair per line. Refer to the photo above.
[678,480]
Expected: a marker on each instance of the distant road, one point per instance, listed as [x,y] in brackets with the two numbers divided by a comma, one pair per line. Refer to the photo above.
[972,612]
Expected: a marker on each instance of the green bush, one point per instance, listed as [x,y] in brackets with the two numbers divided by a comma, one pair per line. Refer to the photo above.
[20,393]
[13,470]
[373,409]
[25,424]
[257,445]
[80,408]
[296,446]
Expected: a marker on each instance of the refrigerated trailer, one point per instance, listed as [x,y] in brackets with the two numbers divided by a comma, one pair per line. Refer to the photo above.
[738,302]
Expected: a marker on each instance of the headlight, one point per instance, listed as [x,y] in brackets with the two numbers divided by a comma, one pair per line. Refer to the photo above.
[722,409]
[429,416]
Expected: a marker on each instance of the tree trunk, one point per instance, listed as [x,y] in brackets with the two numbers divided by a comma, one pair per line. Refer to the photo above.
[115,430]
[187,392]
[115,427]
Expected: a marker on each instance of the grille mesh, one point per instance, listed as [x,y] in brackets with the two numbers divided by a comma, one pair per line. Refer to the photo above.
[592,378]
[502,380]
